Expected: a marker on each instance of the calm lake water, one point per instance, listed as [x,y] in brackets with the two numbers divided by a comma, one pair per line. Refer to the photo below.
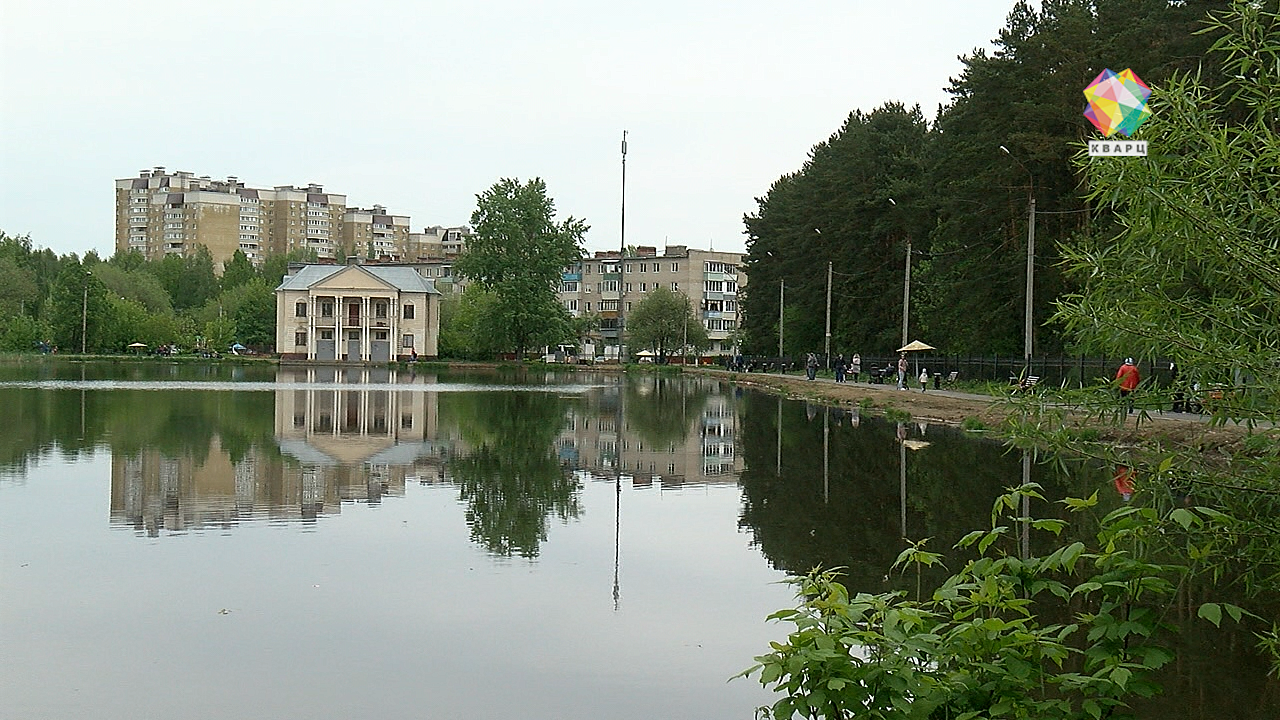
[251,542]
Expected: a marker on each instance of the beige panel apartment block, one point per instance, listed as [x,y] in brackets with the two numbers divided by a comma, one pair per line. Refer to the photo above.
[376,234]
[711,281]
[438,243]
[160,213]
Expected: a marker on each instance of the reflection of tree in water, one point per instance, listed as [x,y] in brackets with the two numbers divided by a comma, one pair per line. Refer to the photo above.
[662,410]
[855,522]
[512,480]
[176,424]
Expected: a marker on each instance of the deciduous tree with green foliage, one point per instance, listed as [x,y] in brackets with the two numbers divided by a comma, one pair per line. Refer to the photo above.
[519,253]
[663,322]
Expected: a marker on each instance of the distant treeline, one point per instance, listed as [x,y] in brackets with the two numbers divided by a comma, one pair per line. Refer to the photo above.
[70,303]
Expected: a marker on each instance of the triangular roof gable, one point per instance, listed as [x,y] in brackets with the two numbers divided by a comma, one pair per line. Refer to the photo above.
[352,277]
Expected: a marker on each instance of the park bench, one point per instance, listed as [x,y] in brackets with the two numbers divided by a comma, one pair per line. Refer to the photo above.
[952,377]
[1025,384]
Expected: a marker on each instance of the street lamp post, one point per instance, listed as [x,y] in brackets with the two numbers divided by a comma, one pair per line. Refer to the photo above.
[1031,262]
[622,250]
[826,345]
[782,298]
[906,288]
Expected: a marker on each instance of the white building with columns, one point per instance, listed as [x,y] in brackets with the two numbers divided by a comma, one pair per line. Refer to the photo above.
[356,313]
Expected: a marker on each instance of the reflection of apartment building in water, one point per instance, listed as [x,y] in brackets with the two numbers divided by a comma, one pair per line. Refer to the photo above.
[356,313]
[706,455]
[152,492]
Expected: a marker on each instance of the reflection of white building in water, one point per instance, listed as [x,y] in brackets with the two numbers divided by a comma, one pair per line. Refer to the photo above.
[344,435]
[344,416]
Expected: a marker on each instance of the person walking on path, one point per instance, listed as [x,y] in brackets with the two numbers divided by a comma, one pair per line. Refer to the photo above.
[840,368]
[811,366]
[855,366]
[902,371]
[1128,378]
[924,379]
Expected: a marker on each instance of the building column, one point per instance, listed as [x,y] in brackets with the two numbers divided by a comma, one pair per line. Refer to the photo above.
[366,308]
[313,308]
[393,323]
[338,339]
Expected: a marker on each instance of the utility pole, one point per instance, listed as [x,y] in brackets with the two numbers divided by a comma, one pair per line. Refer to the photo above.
[906,288]
[782,297]
[1031,262]
[84,317]
[827,345]
[906,295]
[622,248]
[1031,272]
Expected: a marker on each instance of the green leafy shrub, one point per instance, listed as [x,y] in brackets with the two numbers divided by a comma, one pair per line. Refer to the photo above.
[985,643]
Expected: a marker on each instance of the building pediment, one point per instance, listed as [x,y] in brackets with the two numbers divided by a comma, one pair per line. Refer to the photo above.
[352,277]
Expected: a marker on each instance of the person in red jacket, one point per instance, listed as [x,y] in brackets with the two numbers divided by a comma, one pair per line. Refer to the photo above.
[1128,378]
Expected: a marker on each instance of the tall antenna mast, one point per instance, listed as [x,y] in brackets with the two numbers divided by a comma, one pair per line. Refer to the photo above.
[622,248]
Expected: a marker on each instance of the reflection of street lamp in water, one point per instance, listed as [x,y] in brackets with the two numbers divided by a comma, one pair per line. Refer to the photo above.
[903,445]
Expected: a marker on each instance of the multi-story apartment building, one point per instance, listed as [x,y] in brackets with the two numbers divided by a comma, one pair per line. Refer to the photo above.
[606,282]
[160,213]
[374,233]
[438,243]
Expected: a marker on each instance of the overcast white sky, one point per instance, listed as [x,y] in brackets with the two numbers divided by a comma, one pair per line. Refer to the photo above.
[419,105]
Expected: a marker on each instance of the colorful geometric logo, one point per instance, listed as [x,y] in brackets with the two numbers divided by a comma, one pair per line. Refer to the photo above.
[1117,102]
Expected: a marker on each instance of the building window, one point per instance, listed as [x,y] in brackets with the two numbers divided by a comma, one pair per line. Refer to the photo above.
[326,334]
[628,287]
[406,341]
[300,310]
[588,307]
[380,310]
[568,287]
[675,287]
[408,312]
[644,267]
[300,338]
[326,308]
[380,334]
